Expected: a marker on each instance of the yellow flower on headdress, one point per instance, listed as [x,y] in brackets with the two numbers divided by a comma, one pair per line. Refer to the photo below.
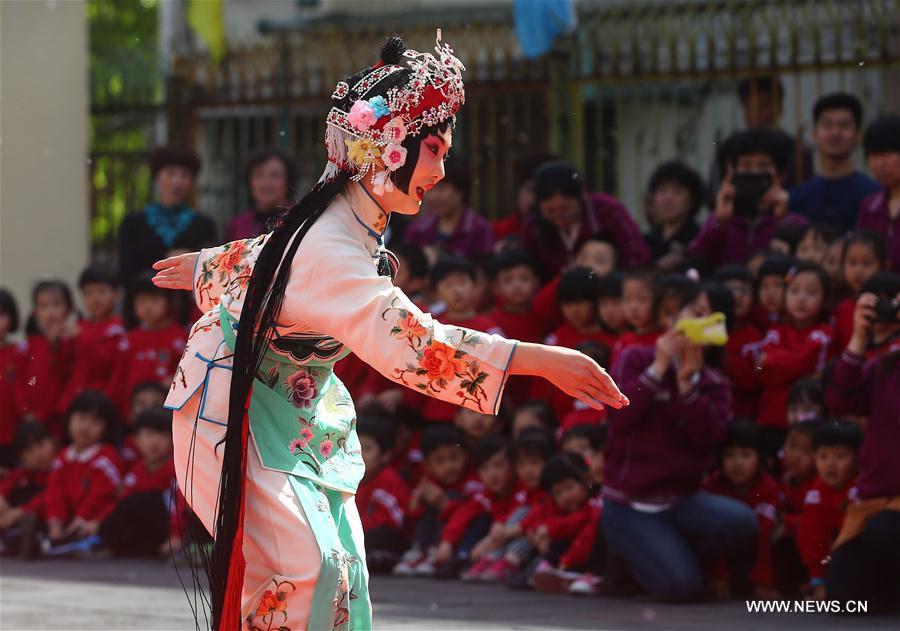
[358,150]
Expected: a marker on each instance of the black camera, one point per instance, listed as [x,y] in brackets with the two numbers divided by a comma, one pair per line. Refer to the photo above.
[886,310]
[749,188]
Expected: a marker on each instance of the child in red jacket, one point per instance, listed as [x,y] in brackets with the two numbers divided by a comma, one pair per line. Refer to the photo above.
[446,485]
[99,337]
[799,347]
[516,278]
[12,357]
[382,496]
[141,523]
[466,533]
[22,490]
[41,384]
[151,350]
[745,389]
[742,477]
[836,444]
[641,302]
[552,527]
[865,254]
[85,476]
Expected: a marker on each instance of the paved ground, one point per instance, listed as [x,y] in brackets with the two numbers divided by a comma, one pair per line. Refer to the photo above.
[120,595]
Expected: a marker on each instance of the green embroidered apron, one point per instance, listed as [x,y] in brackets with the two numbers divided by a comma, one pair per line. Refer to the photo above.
[303,423]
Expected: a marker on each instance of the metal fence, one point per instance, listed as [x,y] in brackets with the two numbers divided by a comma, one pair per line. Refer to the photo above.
[636,84]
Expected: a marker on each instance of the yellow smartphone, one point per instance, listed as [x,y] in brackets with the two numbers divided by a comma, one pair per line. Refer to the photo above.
[708,331]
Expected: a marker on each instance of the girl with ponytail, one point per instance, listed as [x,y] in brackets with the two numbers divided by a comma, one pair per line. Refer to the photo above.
[265,444]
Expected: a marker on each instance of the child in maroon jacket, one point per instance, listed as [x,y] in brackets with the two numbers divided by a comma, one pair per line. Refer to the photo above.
[151,350]
[382,496]
[742,477]
[22,490]
[100,335]
[141,523]
[41,384]
[836,444]
[466,533]
[798,347]
[85,476]
[446,485]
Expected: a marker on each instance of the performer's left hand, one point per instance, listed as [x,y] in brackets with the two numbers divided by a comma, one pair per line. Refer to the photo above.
[176,272]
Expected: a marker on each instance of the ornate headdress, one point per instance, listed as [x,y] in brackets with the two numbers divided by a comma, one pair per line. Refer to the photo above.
[369,135]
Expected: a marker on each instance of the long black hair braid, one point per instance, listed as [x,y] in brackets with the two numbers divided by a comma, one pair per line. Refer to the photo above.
[262,304]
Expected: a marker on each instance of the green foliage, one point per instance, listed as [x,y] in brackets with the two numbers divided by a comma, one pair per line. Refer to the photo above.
[125,78]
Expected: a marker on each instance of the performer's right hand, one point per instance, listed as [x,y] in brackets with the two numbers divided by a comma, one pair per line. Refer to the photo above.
[176,272]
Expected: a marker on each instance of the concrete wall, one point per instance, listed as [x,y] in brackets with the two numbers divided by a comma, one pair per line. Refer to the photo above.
[43,143]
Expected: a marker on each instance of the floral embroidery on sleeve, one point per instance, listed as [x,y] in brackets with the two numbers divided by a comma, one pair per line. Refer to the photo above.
[229,270]
[439,365]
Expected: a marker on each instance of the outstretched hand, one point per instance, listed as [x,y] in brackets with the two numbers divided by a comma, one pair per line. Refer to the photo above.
[176,272]
[573,372]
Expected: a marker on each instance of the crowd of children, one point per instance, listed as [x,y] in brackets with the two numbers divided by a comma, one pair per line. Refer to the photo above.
[792,421]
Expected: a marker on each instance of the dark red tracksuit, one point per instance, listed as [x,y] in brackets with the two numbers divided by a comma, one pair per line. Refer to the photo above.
[820,522]
[383,500]
[499,507]
[83,485]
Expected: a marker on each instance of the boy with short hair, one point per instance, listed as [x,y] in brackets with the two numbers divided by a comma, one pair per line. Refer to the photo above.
[836,444]
[516,278]
[382,496]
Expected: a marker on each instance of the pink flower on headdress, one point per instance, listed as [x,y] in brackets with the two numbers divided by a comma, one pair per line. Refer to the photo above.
[394,157]
[395,131]
[362,115]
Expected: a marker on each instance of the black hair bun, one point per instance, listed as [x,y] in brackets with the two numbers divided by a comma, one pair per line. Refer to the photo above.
[392,51]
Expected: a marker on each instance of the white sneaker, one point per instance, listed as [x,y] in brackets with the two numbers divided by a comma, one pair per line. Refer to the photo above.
[408,562]
[585,585]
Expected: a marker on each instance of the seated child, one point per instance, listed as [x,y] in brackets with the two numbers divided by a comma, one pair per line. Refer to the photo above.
[745,390]
[865,254]
[806,402]
[474,425]
[142,522]
[85,476]
[741,477]
[382,496]
[798,470]
[446,484]
[770,291]
[552,527]
[465,534]
[836,444]
[533,413]
[814,243]
[22,490]
[152,348]
[640,307]
[516,278]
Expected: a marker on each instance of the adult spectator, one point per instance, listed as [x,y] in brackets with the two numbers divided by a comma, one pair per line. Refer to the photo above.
[655,517]
[271,177]
[751,204]
[881,210]
[167,223]
[568,216]
[674,196]
[833,195]
[451,226]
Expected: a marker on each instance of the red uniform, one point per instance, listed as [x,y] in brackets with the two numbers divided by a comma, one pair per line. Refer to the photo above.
[500,508]
[820,522]
[560,525]
[83,485]
[793,493]
[383,500]
[843,323]
[634,339]
[25,488]
[41,386]
[140,479]
[96,354]
[12,360]
[545,307]
[578,553]
[745,388]
[518,326]
[783,356]
[146,355]
[580,414]
[764,497]
[457,493]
